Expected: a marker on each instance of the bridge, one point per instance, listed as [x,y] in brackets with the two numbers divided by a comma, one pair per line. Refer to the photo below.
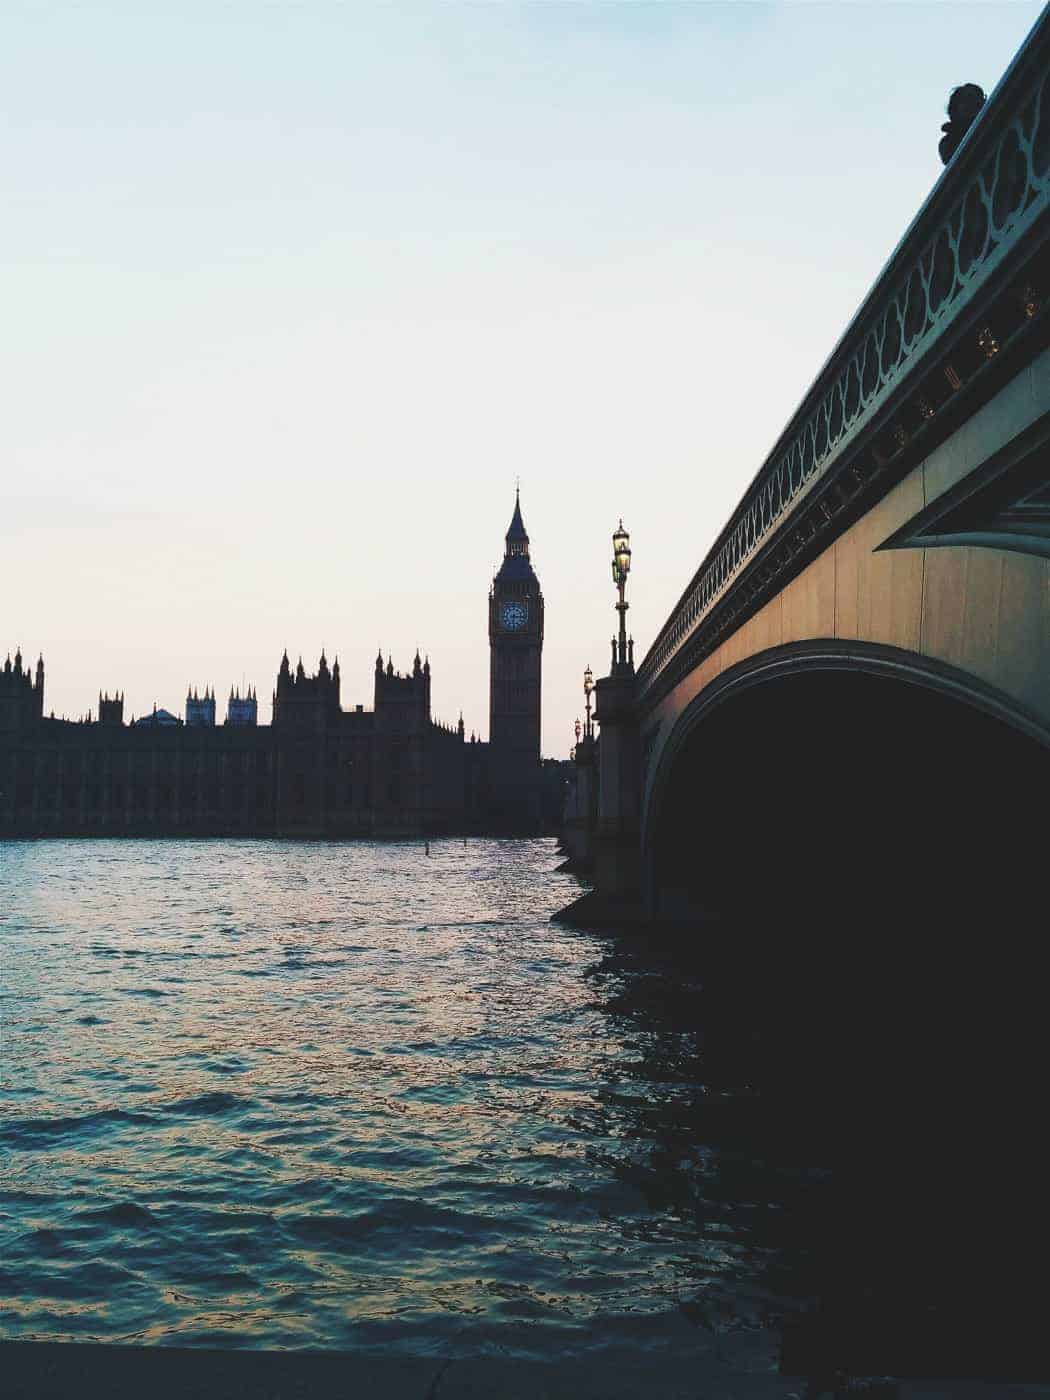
[856,680]
[829,776]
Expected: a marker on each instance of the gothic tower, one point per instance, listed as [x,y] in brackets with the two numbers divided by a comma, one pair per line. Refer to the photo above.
[515,647]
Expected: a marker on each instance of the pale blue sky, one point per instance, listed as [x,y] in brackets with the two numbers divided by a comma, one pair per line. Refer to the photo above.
[293,292]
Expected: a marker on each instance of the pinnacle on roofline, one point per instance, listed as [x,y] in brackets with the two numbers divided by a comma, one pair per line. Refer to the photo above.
[517,529]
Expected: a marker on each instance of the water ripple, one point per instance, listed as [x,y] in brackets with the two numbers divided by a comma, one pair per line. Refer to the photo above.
[450,1126]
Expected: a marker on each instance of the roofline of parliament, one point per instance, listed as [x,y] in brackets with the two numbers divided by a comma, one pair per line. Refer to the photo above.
[315,769]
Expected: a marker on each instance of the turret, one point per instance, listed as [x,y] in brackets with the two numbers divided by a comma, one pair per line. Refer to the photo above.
[21,699]
[200,709]
[402,702]
[301,702]
[242,710]
[111,711]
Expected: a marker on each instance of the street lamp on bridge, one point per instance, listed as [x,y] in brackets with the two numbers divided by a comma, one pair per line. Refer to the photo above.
[623,654]
[588,686]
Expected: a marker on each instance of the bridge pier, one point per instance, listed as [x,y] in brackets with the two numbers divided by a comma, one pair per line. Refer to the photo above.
[580,817]
[617,864]
[603,814]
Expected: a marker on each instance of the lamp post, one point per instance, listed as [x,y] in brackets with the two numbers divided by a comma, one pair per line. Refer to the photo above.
[578,732]
[588,686]
[621,567]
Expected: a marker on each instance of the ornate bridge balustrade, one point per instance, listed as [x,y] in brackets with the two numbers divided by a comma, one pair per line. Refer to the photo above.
[961,303]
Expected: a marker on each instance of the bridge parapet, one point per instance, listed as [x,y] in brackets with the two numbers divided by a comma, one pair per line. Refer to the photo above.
[963,298]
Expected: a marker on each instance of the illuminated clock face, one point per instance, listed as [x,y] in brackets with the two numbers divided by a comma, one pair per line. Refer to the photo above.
[513,616]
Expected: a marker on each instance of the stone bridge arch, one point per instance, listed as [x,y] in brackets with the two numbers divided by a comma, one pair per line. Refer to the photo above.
[919,591]
[827,772]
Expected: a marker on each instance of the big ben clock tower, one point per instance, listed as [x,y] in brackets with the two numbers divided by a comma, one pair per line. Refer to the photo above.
[515,646]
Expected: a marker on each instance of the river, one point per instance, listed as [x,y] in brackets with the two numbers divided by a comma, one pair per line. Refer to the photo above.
[352,1096]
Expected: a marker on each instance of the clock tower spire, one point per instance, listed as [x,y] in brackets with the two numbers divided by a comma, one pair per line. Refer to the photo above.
[515,648]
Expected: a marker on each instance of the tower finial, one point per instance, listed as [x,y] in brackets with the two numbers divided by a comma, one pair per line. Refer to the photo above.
[517,538]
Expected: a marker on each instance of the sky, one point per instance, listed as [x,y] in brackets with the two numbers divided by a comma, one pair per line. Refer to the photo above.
[294,293]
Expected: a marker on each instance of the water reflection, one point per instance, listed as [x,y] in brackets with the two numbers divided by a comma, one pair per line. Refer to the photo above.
[329,1096]
[686,1102]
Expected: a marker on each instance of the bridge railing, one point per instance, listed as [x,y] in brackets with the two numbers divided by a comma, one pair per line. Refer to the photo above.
[897,368]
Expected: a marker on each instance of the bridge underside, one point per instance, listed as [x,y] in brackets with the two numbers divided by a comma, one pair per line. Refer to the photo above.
[877,851]
[835,788]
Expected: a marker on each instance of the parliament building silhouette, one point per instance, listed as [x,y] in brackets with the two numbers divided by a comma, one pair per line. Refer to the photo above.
[317,771]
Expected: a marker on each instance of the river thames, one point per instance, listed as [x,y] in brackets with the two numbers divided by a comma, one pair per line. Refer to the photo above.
[352,1097]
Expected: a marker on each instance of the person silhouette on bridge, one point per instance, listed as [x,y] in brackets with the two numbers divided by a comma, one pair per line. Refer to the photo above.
[963,105]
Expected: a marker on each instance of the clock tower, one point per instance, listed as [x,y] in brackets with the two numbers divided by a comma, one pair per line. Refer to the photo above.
[515,646]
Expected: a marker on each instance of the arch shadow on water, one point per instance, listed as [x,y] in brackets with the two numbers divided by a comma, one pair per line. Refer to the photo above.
[856,852]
